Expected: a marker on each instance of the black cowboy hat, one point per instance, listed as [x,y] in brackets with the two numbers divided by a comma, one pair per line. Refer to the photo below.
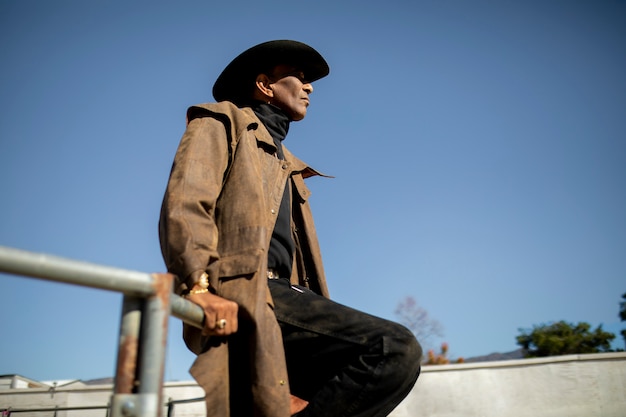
[235,82]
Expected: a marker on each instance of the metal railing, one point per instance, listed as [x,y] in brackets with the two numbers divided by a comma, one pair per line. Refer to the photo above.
[10,411]
[7,412]
[147,304]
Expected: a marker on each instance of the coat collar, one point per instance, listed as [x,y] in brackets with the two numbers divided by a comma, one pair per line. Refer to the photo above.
[238,118]
[264,136]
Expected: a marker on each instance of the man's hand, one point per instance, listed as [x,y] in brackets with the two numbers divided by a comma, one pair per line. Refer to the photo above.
[220,314]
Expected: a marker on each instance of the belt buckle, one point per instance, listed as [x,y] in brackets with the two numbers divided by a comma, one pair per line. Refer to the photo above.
[272,274]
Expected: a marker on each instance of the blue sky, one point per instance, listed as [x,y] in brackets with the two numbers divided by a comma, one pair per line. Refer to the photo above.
[478,149]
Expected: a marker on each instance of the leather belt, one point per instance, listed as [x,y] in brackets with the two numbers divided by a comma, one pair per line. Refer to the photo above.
[272,274]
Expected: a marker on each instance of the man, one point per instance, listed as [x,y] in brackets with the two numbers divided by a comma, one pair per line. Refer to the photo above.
[236,229]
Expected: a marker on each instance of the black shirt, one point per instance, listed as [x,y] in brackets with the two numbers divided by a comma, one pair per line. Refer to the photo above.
[282,246]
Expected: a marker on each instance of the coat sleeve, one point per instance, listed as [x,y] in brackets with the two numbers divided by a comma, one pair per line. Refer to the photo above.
[187,227]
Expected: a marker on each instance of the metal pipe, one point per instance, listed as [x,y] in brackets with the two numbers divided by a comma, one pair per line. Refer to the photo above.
[128,348]
[154,322]
[53,268]
[187,311]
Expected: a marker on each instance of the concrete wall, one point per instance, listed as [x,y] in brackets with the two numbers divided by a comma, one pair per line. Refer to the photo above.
[563,386]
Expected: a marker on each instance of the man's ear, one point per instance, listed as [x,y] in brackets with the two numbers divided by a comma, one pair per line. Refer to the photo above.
[263,83]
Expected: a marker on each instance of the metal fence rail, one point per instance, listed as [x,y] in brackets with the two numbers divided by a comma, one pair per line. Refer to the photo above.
[8,411]
[170,405]
[147,304]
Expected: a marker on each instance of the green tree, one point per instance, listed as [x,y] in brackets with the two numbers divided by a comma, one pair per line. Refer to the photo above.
[622,316]
[562,338]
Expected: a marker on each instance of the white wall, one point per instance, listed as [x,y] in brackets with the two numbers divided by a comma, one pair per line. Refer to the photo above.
[563,386]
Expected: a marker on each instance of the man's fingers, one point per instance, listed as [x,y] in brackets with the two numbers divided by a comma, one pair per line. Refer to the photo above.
[226,322]
[220,314]
[234,326]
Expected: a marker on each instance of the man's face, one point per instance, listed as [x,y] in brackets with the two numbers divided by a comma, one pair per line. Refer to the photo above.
[291,91]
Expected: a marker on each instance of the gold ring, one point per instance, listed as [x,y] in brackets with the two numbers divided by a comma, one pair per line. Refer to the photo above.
[221,324]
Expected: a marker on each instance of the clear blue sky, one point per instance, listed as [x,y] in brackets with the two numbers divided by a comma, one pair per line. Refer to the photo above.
[479,150]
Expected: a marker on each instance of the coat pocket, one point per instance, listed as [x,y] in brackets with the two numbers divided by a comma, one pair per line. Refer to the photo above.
[239,265]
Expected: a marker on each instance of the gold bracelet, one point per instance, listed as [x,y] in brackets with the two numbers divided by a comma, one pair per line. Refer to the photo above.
[200,291]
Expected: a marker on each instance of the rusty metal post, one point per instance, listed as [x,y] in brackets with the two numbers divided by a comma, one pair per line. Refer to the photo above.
[128,349]
[141,361]
[154,337]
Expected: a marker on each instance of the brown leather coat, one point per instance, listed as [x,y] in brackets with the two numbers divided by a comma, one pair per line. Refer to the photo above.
[218,215]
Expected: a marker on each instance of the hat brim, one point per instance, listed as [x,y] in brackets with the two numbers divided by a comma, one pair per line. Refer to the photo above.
[236,81]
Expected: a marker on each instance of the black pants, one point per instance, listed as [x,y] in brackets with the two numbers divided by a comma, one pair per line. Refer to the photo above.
[344,362]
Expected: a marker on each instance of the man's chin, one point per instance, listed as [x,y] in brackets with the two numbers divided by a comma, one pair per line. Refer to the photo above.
[298,116]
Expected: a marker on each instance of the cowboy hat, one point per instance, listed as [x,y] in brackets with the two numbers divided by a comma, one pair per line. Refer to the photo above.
[236,80]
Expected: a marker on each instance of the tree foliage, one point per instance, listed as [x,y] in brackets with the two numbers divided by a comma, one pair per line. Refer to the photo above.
[417,319]
[562,338]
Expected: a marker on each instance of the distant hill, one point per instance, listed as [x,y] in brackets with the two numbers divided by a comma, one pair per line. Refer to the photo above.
[497,356]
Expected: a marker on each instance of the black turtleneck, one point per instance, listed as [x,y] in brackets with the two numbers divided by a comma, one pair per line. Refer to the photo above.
[282,246]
